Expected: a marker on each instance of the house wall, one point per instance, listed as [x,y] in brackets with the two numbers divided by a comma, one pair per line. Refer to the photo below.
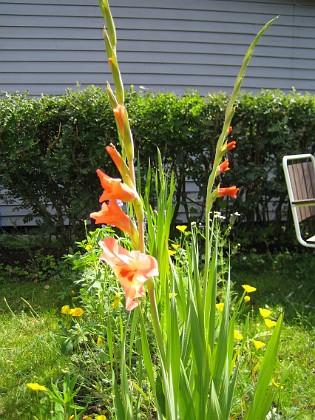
[47,46]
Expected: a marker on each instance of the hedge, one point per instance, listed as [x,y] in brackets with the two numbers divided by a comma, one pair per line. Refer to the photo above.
[51,146]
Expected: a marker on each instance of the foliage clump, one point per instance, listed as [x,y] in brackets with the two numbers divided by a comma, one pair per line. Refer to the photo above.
[50,147]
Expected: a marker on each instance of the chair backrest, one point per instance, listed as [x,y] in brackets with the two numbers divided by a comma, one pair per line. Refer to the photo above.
[302,177]
[299,171]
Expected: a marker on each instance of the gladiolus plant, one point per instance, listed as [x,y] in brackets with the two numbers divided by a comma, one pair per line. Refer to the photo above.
[189,347]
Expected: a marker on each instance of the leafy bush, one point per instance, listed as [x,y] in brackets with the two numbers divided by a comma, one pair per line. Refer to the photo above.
[49,149]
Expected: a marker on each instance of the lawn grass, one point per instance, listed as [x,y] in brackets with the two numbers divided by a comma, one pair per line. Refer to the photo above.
[30,313]
[286,282]
[30,347]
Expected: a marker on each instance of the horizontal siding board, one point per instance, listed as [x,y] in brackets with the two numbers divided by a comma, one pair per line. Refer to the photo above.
[39,38]
[16,221]
[15,55]
[172,26]
[178,18]
[70,73]
[54,38]
[236,5]
[188,72]
[170,63]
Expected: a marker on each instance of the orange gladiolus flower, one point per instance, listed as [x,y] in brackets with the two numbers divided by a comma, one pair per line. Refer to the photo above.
[224,166]
[230,129]
[132,268]
[227,192]
[114,189]
[111,214]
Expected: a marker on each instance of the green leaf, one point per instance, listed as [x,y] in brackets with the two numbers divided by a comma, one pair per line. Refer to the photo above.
[263,394]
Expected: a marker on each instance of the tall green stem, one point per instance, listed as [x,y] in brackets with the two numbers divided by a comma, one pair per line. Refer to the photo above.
[222,140]
[155,318]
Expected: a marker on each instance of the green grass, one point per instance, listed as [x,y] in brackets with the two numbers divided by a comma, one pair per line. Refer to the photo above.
[29,345]
[286,282]
[29,352]
[30,313]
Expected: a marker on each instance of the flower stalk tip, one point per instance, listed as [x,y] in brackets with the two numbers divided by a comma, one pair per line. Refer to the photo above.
[104,6]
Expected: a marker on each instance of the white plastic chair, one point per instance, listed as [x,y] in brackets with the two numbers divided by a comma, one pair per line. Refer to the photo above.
[299,171]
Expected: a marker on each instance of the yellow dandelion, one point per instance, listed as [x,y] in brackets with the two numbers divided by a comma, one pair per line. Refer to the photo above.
[116,300]
[265,313]
[36,387]
[170,295]
[247,298]
[76,312]
[99,341]
[171,252]
[237,335]
[88,247]
[248,288]
[100,417]
[65,310]
[181,228]
[258,344]
[220,306]
[175,246]
[269,323]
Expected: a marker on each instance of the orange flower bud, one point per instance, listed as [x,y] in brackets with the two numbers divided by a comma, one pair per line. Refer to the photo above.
[224,166]
[120,115]
[117,159]
[231,145]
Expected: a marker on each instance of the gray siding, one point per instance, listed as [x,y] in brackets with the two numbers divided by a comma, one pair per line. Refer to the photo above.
[47,46]
[10,213]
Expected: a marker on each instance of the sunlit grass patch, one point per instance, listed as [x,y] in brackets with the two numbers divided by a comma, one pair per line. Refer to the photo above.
[29,352]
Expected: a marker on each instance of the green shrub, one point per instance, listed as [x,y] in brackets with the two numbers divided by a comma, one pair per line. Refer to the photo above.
[49,150]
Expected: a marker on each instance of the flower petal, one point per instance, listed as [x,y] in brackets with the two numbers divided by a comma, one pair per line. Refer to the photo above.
[132,269]
[112,214]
